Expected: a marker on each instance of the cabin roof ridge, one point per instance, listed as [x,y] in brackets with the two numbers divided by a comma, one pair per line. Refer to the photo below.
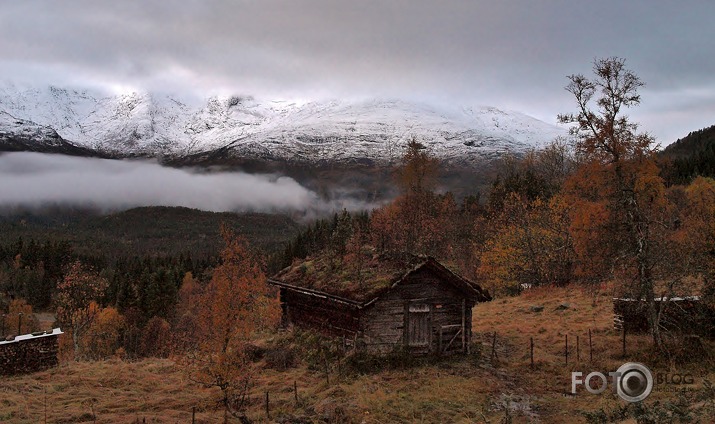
[468,287]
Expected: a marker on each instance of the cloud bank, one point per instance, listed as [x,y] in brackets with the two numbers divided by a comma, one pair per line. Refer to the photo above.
[37,179]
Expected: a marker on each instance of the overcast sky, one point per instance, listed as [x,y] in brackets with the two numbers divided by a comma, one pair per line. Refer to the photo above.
[504,53]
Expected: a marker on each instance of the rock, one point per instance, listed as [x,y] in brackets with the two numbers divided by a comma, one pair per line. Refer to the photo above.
[563,307]
[536,308]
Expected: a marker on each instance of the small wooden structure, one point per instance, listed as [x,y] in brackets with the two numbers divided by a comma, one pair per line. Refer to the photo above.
[420,306]
[687,315]
[29,352]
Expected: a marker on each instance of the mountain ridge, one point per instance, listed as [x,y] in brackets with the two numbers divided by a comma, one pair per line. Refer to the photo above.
[341,131]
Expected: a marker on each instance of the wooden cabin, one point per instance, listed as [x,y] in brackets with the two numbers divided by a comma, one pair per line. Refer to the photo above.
[386,304]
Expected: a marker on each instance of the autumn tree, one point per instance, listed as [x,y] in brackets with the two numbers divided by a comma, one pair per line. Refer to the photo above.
[187,310]
[416,178]
[532,245]
[404,225]
[418,172]
[620,214]
[235,305]
[387,227]
[104,334]
[155,338]
[75,300]
[696,234]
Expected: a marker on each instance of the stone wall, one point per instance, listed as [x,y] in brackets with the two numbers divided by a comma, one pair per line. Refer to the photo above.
[29,353]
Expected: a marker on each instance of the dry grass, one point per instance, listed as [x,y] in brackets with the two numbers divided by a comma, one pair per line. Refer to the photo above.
[459,389]
[549,383]
[112,391]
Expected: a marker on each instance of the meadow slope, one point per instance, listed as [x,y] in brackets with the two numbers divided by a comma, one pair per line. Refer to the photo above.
[492,386]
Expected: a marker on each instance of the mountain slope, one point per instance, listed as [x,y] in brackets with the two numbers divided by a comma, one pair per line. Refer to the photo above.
[690,156]
[144,231]
[20,135]
[145,124]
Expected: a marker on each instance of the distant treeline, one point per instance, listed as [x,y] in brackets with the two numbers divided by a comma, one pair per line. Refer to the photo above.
[30,270]
[145,231]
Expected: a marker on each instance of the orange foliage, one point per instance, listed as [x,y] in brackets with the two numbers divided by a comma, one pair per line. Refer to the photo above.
[75,298]
[103,337]
[236,304]
[697,232]
[155,338]
[533,246]
[187,311]
[386,227]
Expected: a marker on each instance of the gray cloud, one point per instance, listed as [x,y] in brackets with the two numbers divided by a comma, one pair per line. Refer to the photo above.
[511,54]
[35,179]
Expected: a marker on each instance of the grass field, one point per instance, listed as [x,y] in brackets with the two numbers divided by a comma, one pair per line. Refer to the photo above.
[471,389]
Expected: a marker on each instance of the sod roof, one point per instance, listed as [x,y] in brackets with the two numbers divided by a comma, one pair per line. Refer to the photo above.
[361,283]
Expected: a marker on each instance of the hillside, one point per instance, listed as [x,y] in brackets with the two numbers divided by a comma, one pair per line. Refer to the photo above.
[144,231]
[479,388]
[691,156]
[216,128]
[18,135]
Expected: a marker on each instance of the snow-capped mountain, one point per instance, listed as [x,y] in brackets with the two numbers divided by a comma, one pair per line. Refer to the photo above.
[147,124]
[20,135]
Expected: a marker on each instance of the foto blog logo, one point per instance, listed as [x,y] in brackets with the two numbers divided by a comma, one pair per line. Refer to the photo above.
[632,381]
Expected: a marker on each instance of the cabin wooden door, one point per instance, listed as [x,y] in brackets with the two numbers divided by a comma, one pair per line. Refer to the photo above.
[419,327]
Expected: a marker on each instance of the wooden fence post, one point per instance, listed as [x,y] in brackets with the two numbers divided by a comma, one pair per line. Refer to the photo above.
[464,325]
[566,350]
[532,352]
[268,411]
[494,346]
[19,323]
[578,349]
[295,391]
[590,345]
[193,415]
[624,341]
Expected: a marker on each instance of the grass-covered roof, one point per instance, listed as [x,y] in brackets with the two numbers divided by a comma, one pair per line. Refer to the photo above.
[362,280]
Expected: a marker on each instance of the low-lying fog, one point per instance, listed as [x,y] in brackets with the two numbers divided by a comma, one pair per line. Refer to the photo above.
[38,179]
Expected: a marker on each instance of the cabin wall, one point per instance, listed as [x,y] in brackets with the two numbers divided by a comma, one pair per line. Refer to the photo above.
[30,355]
[318,313]
[383,323]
